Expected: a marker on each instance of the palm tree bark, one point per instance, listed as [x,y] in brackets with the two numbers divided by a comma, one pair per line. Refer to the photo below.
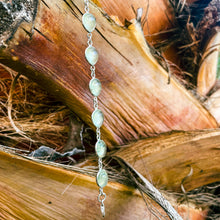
[136,99]
[168,158]
[61,193]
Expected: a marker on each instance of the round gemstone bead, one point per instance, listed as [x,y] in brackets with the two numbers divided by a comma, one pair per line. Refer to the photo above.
[97,118]
[89,22]
[102,178]
[100,148]
[95,86]
[91,55]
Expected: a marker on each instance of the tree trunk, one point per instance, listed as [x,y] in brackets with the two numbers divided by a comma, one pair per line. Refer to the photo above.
[136,99]
[31,190]
[168,158]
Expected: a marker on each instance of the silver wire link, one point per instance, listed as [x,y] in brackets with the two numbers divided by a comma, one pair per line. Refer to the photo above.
[95,103]
[98,134]
[102,209]
[89,42]
[92,68]
[100,163]
[101,199]
[86,2]
[101,196]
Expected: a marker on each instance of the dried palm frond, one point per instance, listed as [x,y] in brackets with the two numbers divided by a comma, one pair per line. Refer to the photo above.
[29,116]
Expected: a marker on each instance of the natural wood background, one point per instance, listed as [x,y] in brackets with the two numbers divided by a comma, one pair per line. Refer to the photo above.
[30,190]
[136,100]
[168,158]
[137,103]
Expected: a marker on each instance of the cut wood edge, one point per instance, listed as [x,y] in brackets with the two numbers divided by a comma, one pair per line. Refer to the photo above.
[145,186]
[213,105]
[31,190]
[158,18]
[209,66]
[48,192]
[168,158]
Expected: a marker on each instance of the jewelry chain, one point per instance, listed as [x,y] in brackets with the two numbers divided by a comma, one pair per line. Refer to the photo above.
[102,195]
[86,2]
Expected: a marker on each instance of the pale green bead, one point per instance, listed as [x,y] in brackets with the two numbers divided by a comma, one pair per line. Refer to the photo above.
[100,148]
[91,55]
[102,178]
[95,86]
[97,118]
[89,22]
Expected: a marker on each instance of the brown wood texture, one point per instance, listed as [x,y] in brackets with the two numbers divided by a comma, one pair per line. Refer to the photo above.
[30,190]
[213,105]
[168,158]
[208,69]
[136,99]
[159,14]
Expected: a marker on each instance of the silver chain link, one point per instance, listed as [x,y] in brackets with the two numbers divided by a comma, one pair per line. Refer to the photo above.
[95,103]
[89,42]
[100,163]
[101,196]
[86,2]
[101,199]
[92,68]
[98,134]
